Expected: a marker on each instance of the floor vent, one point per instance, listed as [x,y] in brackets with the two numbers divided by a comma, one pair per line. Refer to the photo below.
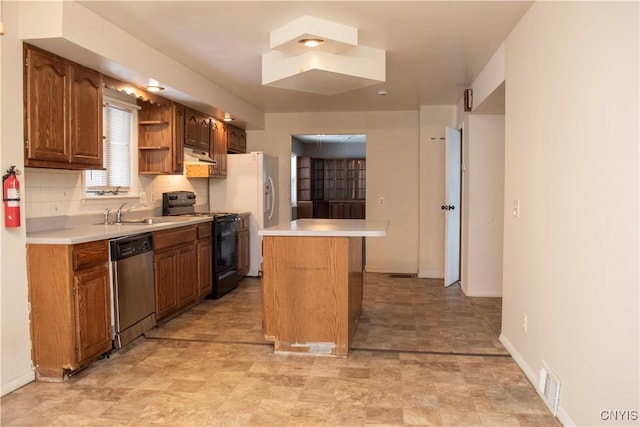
[402,276]
[549,388]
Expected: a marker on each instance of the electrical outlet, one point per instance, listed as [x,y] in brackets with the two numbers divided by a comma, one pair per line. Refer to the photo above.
[143,197]
[524,322]
[381,201]
[152,198]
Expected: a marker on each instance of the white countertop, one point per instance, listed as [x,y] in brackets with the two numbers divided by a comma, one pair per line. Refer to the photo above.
[329,228]
[92,232]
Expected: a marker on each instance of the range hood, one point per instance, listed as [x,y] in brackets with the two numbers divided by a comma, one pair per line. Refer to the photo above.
[197,156]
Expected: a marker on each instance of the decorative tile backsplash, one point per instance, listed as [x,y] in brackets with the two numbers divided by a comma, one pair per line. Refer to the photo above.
[53,192]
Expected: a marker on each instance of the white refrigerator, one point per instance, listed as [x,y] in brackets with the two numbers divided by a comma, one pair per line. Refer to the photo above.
[251,186]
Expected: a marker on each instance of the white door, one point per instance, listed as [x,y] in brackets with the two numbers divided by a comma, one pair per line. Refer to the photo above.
[451,208]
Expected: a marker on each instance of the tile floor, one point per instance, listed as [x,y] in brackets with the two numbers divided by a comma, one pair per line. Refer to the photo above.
[425,355]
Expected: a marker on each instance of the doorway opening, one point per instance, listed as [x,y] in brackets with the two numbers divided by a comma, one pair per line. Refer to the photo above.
[328,176]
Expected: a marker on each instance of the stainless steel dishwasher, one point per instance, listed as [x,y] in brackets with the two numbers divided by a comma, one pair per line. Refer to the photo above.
[133,290]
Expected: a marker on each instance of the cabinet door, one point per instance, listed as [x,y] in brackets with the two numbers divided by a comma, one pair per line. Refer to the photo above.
[219,147]
[232,139]
[203,139]
[243,253]
[166,279]
[187,275]
[86,117]
[317,177]
[92,312]
[47,101]
[205,264]
[337,210]
[192,128]
[357,210]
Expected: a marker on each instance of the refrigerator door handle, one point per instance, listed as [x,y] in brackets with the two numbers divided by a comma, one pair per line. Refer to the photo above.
[271,197]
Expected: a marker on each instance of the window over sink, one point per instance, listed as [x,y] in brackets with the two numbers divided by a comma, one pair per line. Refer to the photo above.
[119,145]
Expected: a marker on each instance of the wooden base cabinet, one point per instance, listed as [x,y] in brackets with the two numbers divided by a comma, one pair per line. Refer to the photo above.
[69,293]
[205,257]
[347,209]
[243,245]
[175,269]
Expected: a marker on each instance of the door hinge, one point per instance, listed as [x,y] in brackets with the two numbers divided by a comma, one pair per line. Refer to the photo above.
[26,144]
[77,349]
[26,62]
[28,307]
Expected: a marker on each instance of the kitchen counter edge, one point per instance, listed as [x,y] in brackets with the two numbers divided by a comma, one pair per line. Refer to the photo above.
[329,228]
[93,232]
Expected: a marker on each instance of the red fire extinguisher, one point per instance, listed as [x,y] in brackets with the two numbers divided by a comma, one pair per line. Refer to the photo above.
[11,197]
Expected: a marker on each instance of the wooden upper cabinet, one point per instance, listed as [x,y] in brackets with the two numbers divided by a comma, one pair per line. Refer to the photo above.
[86,117]
[196,130]
[236,139]
[218,148]
[47,83]
[63,113]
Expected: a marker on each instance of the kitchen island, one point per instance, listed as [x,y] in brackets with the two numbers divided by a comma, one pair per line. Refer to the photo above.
[312,283]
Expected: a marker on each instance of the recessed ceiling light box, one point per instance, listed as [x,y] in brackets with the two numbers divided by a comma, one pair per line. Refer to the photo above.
[336,65]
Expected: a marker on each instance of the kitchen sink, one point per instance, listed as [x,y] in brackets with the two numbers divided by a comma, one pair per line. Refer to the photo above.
[148,220]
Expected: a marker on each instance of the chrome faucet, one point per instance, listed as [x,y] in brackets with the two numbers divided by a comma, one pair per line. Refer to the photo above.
[106,215]
[119,212]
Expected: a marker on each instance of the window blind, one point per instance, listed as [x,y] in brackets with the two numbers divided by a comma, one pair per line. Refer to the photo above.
[117,122]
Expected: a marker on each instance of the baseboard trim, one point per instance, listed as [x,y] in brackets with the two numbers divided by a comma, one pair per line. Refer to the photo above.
[483,294]
[562,415]
[18,382]
[430,274]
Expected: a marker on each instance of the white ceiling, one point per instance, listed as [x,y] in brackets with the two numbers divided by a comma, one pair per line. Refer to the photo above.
[434,48]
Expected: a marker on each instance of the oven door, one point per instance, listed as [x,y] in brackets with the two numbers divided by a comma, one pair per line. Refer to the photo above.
[225,243]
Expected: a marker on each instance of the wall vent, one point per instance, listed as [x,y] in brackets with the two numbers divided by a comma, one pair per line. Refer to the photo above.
[549,388]
[402,275]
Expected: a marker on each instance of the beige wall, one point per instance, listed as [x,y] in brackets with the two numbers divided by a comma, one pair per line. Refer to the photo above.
[571,259]
[392,173]
[15,345]
[483,205]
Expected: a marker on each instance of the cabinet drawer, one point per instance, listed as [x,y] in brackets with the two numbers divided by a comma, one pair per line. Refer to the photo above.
[89,254]
[204,230]
[174,237]
[243,223]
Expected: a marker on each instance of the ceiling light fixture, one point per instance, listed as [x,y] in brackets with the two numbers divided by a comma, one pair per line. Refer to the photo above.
[338,64]
[154,88]
[227,118]
[311,42]
[382,92]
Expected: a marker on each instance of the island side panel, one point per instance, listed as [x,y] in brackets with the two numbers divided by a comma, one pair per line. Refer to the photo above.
[305,293]
[356,279]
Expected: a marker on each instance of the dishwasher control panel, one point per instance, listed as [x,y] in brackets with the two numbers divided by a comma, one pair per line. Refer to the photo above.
[131,246]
